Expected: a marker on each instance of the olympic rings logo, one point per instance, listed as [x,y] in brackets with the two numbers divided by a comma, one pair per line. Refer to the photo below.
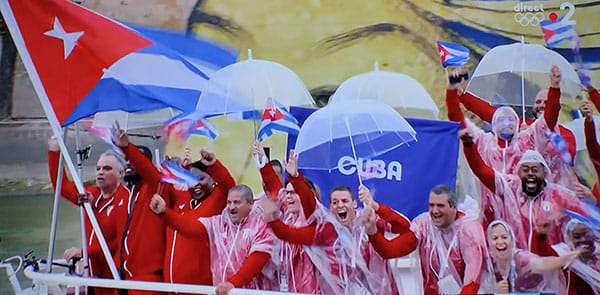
[529,18]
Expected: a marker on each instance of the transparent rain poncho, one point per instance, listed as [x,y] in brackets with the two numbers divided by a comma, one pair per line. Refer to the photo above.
[520,276]
[503,159]
[522,212]
[441,252]
[346,261]
[589,270]
[231,244]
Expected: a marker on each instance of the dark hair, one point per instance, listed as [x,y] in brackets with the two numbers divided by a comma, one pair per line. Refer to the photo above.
[276,163]
[444,189]
[341,188]
[199,165]
[145,150]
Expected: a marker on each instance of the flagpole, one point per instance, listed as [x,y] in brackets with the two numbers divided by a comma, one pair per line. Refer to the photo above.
[522,78]
[80,159]
[11,23]
[55,209]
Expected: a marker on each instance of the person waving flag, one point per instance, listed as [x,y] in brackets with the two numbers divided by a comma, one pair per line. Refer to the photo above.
[276,118]
[452,55]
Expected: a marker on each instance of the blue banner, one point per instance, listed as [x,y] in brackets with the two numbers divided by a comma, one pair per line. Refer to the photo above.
[401,178]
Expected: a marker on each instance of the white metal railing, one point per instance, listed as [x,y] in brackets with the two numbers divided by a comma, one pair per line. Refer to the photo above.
[57,281]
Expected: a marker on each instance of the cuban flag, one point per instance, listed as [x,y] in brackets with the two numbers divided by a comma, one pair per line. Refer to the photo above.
[105,134]
[590,214]
[276,118]
[81,63]
[560,146]
[556,32]
[173,174]
[181,127]
[452,55]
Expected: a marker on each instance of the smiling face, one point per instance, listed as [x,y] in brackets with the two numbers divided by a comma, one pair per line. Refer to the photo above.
[204,187]
[583,238]
[343,206]
[505,123]
[500,242]
[238,206]
[440,211]
[532,177]
[292,200]
[108,173]
[539,104]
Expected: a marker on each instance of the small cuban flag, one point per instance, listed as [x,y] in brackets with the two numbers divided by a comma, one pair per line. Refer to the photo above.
[560,146]
[452,55]
[181,127]
[105,134]
[276,118]
[589,215]
[173,174]
[556,32]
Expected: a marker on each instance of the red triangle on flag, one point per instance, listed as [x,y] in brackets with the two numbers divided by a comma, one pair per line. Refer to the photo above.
[100,43]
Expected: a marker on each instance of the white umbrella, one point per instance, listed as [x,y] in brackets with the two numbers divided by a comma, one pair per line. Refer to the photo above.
[403,93]
[143,122]
[513,74]
[360,128]
[247,85]
[576,126]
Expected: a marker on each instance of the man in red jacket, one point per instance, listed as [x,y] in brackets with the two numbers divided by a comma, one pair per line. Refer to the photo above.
[107,192]
[240,240]
[142,249]
[187,258]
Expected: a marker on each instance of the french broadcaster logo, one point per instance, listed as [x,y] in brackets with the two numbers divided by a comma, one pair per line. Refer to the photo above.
[529,18]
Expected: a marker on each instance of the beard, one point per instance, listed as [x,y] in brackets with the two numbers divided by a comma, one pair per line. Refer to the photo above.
[540,183]
[132,178]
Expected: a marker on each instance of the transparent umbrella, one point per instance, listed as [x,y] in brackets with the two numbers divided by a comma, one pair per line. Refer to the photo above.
[513,75]
[247,85]
[576,126]
[360,128]
[403,93]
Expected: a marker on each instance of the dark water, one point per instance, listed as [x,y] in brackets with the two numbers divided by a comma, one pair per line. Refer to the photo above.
[25,226]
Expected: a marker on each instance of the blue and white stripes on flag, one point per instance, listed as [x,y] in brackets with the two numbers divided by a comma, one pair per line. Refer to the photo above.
[560,146]
[276,118]
[204,128]
[105,134]
[173,174]
[181,127]
[589,216]
[245,115]
[556,32]
[452,55]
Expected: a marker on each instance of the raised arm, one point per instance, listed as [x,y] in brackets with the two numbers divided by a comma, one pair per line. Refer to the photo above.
[594,96]
[217,171]
[485,174]
[482,109]
[67,188]
[307,198]
[552,109]
[453,106]
[399,224]
[271,181]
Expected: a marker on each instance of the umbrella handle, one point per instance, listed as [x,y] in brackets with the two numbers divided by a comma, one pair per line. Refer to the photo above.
[353,151]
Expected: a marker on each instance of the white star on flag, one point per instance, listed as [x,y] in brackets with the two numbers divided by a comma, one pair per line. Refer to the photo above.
[69,39]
